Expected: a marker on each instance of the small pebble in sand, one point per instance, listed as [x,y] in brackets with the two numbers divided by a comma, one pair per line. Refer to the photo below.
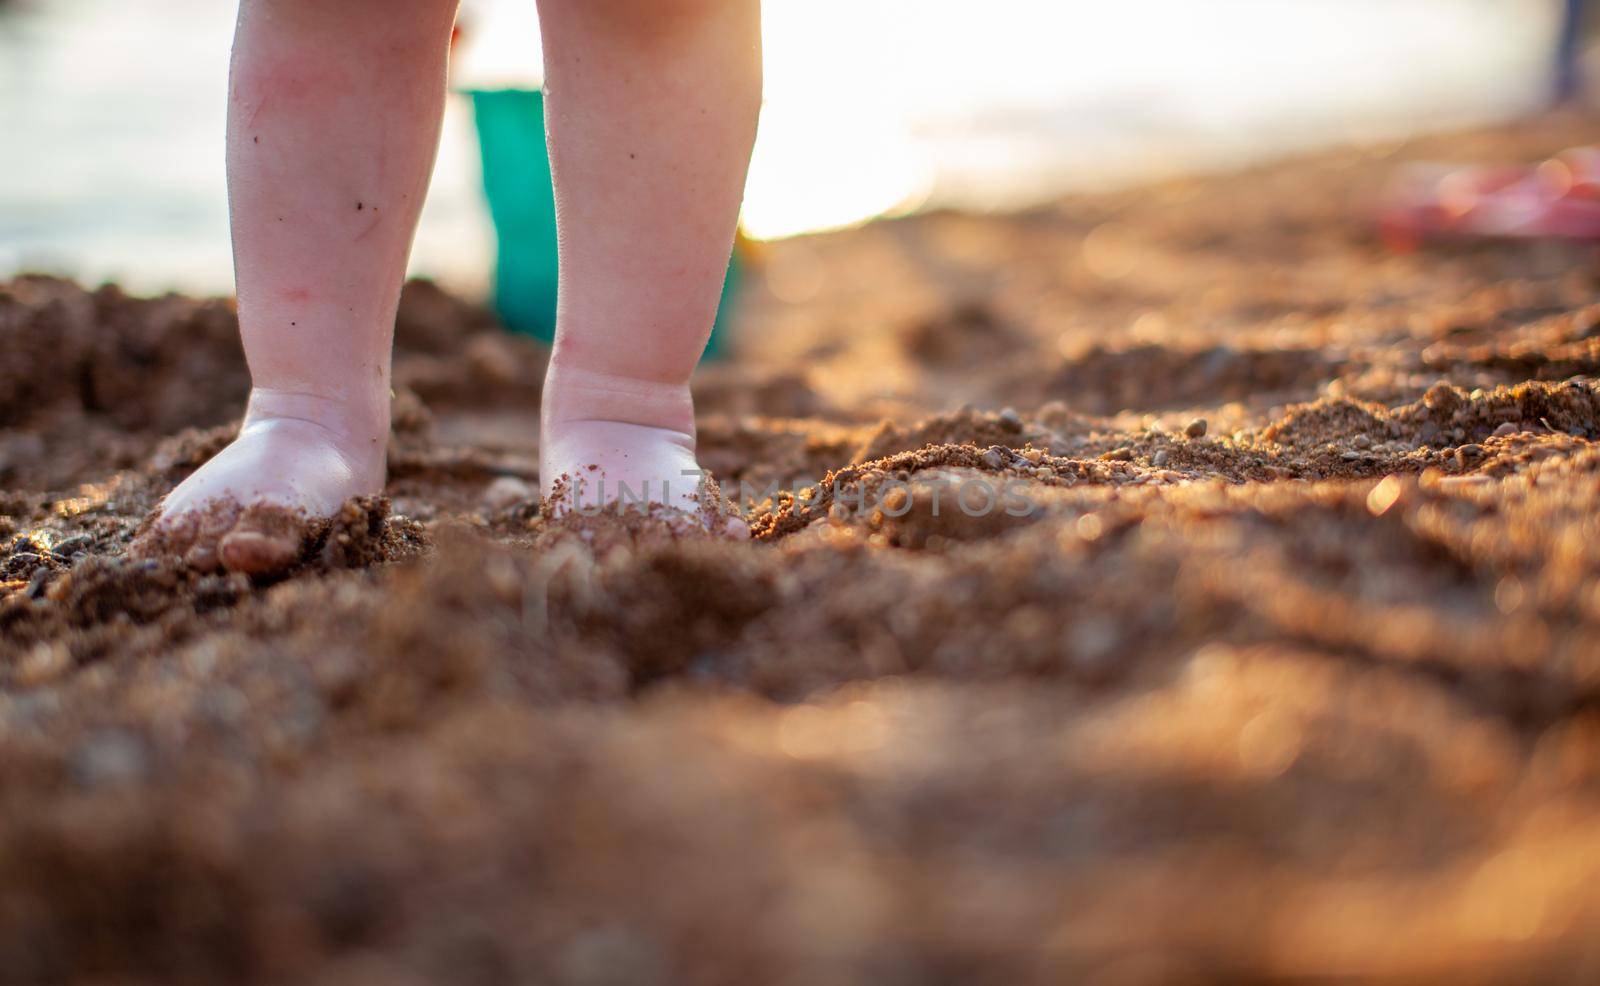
[506,492]
[1160,459]
[1011,419]
[993,459]
[1361,441]
[1506,428]
[1195,428]
[1033,455]
[1120,454]
[1042,473]
[67,547]
[1384,495]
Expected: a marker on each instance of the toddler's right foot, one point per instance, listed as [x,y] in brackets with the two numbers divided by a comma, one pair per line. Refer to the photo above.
[296,460]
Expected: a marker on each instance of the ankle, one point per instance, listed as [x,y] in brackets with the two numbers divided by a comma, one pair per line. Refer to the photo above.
[357,429]
[573,395]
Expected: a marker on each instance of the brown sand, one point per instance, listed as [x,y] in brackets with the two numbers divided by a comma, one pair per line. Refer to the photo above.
[1304,691]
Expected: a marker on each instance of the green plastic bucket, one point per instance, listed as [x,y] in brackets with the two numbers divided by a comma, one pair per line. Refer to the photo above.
[516,182]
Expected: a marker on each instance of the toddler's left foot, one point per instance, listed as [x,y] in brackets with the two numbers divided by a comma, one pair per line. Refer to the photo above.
[588,462]
[594,464]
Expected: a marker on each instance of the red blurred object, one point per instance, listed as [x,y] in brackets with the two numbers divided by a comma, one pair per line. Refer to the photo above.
[1557,199]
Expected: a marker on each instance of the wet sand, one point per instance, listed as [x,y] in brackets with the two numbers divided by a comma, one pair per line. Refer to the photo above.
[1290,674]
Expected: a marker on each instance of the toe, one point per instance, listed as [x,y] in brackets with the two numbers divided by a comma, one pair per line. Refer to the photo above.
[257,552]
[189,535]
[266,541]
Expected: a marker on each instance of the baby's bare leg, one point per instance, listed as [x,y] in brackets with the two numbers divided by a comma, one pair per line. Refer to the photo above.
[333,121]
[652,112]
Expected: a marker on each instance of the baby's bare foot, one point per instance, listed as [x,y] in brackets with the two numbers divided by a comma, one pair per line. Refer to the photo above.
[250,508]
[592,465]
[629,444]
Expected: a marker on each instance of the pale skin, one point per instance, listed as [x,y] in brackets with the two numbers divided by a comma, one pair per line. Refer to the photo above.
[333,122]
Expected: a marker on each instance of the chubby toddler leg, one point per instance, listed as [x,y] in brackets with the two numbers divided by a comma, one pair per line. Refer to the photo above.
[333,122]
[652,109]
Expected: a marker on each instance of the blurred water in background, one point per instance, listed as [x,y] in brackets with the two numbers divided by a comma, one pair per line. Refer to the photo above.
[111,114]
